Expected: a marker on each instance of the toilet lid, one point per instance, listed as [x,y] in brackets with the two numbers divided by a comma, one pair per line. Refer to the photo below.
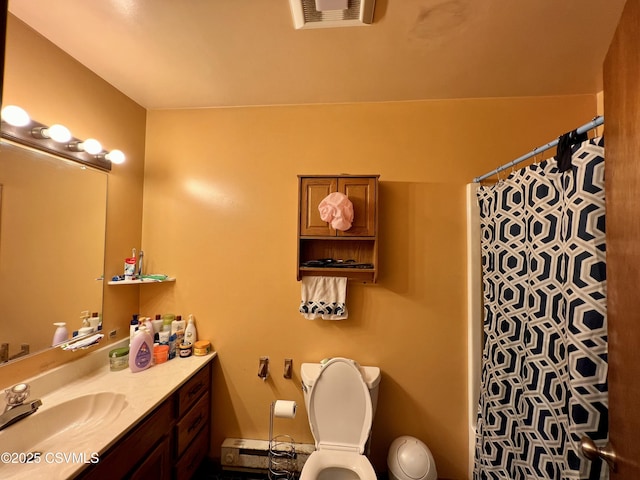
[340,407]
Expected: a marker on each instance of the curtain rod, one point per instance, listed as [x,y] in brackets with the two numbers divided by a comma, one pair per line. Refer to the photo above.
[596,122]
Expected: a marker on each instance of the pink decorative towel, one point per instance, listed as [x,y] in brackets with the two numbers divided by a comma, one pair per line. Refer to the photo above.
[337,209]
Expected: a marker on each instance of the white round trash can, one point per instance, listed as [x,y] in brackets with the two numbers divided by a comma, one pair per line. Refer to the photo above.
[410,459]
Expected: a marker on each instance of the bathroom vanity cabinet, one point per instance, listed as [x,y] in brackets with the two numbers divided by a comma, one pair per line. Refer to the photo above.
[318,240]
[169,443]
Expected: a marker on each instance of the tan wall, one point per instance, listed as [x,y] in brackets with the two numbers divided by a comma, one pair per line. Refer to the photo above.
[53,87]
[220,206]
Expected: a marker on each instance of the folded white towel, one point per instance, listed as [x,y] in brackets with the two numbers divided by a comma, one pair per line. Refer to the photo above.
[324,297]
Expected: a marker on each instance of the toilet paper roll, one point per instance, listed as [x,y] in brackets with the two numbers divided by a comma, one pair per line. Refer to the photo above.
[284,409]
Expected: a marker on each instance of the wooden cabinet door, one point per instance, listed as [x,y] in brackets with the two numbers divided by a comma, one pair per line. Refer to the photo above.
[157,465]
[362,193]
[312,192]
[130,451]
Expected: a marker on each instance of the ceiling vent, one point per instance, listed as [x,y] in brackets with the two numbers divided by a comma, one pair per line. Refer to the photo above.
[331,13]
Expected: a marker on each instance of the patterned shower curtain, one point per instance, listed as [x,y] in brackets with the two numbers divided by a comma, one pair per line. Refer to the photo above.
[544,372]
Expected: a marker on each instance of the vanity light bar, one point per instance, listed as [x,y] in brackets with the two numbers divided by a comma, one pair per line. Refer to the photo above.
[55,139]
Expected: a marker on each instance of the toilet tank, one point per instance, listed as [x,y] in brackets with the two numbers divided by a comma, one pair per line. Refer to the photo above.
[309,373]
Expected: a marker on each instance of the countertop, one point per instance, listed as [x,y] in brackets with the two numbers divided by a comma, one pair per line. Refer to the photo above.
[68,453]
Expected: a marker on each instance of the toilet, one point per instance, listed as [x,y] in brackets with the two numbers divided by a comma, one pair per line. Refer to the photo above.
[340,397]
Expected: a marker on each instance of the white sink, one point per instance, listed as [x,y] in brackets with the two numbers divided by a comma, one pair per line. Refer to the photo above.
[65,424]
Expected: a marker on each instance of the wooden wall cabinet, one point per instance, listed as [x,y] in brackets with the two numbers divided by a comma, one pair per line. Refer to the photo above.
[170,443]
[318,240]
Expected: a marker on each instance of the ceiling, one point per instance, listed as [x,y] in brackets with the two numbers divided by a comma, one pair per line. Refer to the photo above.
[212,53]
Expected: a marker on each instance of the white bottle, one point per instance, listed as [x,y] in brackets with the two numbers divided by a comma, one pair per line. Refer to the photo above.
[146,322]
[177,327]
[61,334]
[190,333]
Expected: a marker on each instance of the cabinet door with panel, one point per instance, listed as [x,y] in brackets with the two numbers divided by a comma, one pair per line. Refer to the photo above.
[144,449]
[312,191]
[157,465]
[362,192]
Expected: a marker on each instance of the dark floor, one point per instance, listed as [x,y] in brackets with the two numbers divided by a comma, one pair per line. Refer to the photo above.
[211,475]
[211,471]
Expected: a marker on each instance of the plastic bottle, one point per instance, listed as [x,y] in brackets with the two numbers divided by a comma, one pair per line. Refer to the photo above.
[141,350]
[157,324]
[94,321]
[172,346]
[84,318]
[167,318]
[86,327]
[190,333]
[146,321]
[177,328]
[61,334]
[133,328]
[163,337]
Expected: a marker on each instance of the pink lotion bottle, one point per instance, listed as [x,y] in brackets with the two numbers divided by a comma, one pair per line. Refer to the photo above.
[141,350]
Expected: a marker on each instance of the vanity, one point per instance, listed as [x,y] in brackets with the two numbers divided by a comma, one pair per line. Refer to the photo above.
[95,423]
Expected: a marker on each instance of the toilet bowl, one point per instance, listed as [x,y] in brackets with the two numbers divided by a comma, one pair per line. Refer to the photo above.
[340,410]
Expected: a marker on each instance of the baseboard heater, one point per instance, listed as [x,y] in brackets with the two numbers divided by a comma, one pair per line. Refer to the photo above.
[244,454]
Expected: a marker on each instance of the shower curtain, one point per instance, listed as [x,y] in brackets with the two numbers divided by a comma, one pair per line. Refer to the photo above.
[544,366]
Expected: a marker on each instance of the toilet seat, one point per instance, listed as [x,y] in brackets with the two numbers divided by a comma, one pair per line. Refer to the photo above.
[323,460]
[340,411]
[340,415]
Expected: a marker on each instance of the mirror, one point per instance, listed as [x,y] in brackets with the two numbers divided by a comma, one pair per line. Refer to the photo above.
[52,241]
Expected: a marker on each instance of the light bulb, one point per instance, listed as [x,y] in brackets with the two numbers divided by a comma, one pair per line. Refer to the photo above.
[57,133]
[92,146]
[15,116]
[115,156]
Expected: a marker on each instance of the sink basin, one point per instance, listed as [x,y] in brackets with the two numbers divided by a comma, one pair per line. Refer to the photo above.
[67,423]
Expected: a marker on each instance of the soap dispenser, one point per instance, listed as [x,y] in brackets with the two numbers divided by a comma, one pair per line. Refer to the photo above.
[61,334]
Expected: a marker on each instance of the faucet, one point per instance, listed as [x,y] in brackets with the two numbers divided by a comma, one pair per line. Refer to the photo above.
[16,409]
[4,352]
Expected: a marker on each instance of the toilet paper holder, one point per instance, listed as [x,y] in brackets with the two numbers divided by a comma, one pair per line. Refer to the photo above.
[282,451]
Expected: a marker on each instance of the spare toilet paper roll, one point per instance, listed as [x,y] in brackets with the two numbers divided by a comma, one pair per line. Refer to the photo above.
[284,409]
